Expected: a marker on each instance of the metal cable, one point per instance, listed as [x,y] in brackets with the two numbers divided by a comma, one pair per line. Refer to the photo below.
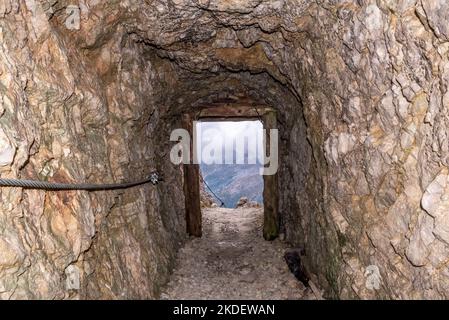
[213,193]
[197,117]
[153,178]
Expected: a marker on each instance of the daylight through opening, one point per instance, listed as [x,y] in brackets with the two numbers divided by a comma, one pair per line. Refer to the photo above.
[230,155]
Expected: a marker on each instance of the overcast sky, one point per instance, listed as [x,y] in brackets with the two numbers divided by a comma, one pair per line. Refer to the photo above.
[225,136]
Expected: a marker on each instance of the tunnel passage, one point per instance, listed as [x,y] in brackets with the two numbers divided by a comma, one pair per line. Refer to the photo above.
[359,88]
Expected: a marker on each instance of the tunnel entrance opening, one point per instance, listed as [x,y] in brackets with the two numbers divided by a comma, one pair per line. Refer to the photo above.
[266,116]
[230,155]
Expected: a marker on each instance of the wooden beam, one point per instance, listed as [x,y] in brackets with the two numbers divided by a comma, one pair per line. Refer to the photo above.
[241,112]
[270,190]
[192,188]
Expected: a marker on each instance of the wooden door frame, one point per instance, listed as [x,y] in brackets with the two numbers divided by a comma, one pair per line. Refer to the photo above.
[192,171]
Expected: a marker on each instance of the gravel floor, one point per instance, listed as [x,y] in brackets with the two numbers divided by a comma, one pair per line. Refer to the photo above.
[233,261]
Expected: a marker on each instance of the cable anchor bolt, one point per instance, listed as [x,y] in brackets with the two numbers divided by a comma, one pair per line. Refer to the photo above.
[154,178]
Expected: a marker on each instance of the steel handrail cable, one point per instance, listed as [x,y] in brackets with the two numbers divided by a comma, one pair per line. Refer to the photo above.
[153,178]
[213,193]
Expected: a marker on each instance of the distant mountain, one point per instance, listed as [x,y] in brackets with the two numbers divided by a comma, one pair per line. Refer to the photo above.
[231,182]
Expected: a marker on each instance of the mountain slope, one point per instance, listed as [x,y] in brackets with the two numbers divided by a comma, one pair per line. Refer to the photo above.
[231,182]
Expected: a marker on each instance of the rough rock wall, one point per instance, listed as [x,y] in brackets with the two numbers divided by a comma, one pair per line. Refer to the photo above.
[79,108]
[360,88]
[375,80]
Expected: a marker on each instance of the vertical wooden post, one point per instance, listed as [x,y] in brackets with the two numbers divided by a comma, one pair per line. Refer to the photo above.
[192,187]
[270,190]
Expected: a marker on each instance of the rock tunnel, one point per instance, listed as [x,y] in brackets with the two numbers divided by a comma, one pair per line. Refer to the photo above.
[90,91]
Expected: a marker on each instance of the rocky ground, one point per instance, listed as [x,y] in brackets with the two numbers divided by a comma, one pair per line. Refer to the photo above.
[233,261]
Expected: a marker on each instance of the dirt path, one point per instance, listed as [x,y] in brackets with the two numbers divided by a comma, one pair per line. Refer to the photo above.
[232,261]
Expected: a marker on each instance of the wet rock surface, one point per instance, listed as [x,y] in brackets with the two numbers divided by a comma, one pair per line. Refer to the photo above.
[233,261]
